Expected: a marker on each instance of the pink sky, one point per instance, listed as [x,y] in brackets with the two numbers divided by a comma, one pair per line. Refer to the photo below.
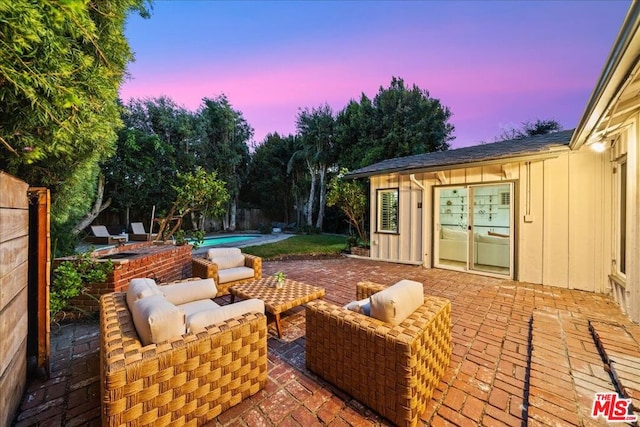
[494,64]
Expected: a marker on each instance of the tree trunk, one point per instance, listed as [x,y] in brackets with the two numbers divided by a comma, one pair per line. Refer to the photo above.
[312,192]
[98,207]
[233,213]
[225,220]
[195,223]
[164,222]
[323,193]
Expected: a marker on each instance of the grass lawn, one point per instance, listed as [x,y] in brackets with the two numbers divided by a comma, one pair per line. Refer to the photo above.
[316,244]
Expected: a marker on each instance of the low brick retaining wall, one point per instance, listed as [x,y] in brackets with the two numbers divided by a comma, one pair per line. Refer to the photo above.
[162,262]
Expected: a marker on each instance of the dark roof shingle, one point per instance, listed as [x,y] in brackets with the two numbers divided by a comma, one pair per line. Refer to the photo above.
[477,153]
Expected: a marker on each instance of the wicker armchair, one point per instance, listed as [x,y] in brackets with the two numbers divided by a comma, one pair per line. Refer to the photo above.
[184,381]
[205,268]
[391,369]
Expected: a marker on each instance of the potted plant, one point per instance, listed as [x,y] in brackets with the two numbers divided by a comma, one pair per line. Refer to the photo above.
[280,278]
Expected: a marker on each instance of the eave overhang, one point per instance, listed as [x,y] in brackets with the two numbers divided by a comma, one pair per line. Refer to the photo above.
[551,153]
[615,96]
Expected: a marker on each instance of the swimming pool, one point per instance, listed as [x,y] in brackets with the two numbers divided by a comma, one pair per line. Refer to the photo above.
[221,240]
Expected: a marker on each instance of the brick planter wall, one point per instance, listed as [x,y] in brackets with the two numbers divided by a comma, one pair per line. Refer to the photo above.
[163,263]
[364,252]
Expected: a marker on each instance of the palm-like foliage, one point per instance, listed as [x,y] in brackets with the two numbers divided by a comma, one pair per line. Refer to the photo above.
[316,128]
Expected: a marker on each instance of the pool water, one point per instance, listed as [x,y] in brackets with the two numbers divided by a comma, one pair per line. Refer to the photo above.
[213,241]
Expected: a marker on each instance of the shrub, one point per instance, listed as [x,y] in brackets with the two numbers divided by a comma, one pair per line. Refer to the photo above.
[71,277]
[264,228]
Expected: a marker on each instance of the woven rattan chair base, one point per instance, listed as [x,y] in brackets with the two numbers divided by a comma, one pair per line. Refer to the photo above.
[185,381]
[391,369]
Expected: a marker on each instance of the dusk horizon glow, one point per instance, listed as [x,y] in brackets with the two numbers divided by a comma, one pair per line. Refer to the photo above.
[494,64]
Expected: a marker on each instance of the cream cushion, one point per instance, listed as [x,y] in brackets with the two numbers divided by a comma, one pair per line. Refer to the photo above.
[156,319]
[197,322]
[236,273]
[140,288]
[451,234]
[193,290]
[221,252]
[397,302]
[229,261]
[226,257]
[496,240]
[195,306]
[362,306]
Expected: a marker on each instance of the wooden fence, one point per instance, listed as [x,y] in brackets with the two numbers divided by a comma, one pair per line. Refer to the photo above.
[246,219]
[14,256]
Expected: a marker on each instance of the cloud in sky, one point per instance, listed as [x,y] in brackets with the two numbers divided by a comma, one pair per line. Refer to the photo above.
[493,64]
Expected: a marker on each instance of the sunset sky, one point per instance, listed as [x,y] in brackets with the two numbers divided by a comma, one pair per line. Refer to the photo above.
[494,64]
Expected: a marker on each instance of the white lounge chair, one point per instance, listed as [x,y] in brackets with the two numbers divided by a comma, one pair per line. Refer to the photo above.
[101,236]
[139,233]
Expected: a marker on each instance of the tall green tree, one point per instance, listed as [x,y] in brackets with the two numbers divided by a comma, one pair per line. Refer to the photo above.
[399,121]
[155,145]
[355,130]
[62,64]
[269,185]
[528,128]
[351,197]
[315,129]
[224,148]
[196,191]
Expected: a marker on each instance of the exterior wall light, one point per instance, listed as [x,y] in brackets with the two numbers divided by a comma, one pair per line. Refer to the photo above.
[598,146]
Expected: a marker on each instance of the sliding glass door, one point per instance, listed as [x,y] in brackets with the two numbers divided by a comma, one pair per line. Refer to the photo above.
[451,230]
[491,228]
[474,228]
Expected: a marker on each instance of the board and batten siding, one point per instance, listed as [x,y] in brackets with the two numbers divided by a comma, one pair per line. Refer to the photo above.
[562,208]
[14,253]
[407,245]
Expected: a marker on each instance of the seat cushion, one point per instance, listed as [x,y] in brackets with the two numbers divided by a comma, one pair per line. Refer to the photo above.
[496,240]
[397,302]
[157,320]
[140,288]
[193,290]
[233,274]
[197,322]
[195,306]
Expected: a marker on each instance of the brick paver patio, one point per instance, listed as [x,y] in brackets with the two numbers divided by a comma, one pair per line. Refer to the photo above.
[523,355]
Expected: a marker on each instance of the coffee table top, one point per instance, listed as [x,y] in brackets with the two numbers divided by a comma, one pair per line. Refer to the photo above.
[276,301]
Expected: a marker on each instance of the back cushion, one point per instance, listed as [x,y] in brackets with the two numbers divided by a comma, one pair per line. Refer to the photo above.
[397,302]
[141,288]
[229,261]
[193,290]
[220,252]
[451,234]
[157,320]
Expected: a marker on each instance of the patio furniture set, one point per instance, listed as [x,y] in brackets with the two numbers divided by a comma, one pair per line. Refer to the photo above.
[170,355]
[101,235]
